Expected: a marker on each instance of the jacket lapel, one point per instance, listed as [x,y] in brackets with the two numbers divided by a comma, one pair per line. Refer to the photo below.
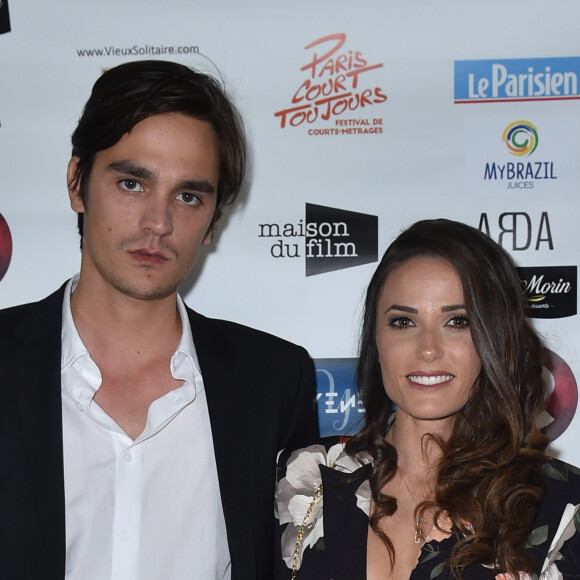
[36,387]
[225,382]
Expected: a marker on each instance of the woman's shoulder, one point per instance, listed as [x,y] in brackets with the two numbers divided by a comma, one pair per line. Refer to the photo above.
[555,536]
[557,470]
[306,475]
[328,452]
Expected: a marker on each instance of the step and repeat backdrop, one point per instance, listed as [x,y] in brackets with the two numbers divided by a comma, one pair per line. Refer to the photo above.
[361,118]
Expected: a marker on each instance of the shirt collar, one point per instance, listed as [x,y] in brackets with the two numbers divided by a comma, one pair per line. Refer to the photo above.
[73,347]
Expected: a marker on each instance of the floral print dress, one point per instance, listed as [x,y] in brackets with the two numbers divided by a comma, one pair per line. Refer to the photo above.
[323,514]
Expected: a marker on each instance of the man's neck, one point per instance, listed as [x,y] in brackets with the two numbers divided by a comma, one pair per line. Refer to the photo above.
[111,322]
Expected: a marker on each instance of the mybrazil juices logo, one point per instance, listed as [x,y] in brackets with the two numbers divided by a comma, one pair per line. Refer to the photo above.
[521,138]
[5,246]
[340,410]
[338,93]
[551,291]
[517,79]
[328,239]
[4,17]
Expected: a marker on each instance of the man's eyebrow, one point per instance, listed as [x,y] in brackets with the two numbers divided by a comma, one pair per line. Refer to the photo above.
[201,185]
[137,171]
[140,172]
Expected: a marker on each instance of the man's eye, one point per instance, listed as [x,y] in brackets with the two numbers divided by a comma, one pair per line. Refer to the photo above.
[131,185]
[188,198]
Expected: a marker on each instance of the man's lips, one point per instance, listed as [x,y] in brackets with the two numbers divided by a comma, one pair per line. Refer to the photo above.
[429,380]
[151,257]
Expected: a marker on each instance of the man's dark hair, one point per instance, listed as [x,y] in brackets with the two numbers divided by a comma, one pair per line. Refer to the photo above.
[134,91]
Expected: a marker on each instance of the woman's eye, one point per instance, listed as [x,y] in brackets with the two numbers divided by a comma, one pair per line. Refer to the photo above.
[401,322]
[459,322]
[131,185]
[188,198]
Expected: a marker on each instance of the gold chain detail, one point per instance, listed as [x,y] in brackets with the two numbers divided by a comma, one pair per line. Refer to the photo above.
[301,531]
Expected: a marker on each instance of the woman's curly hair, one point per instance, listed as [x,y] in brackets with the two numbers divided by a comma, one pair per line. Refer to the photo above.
[489,478]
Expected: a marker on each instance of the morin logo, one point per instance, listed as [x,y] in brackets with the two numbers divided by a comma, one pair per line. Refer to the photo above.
[335,85]
[4,17]
[516,79]
[551,291]
[521,139]
[334,239]
[340,410]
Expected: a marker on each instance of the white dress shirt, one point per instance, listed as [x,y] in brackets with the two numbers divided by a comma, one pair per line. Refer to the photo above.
[143,509]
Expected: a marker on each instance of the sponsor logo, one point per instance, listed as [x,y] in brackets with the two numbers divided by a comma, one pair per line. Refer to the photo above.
[516,79]
[5,246]
[4,17]
[334,239]
[340,410]
[518,231]
[137,50]
[551,291]
[338,89]
[521,139]
[563,400]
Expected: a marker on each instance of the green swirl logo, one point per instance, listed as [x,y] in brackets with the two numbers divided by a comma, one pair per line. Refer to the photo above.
[521,138]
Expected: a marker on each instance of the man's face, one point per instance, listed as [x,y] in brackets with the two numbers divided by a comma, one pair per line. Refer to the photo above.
[150,203]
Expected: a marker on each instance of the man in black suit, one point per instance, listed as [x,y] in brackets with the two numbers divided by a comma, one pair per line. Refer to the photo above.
[139,438]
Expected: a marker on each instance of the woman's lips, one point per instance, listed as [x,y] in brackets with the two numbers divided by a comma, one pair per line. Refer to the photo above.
[430,380]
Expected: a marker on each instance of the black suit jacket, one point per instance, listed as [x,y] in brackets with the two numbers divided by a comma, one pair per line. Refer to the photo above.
[260,395]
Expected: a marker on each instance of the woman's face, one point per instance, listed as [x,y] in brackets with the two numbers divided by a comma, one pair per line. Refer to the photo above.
[428,362]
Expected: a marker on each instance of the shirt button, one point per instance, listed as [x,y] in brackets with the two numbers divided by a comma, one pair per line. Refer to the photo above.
[125,536]
[128,457]
[79,405]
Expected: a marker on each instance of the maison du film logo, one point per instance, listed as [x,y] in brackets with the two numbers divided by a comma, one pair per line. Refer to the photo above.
[517,79]
[520,139]
[328,239]
[4,17]
[340,410]
[339,91]
[551,291]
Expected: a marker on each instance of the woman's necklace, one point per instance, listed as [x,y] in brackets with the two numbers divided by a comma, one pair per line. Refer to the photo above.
[418,537]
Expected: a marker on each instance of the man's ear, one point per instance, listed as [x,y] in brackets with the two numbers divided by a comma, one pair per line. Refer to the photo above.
[76,201]
[208,235]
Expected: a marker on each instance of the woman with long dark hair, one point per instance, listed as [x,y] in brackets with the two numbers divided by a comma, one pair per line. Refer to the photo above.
[448,477]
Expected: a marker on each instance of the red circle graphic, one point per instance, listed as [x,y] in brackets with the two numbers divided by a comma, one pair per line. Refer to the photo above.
[562,402]
[5,246]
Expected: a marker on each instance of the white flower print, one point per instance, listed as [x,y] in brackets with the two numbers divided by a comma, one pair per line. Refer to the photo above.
[565,531]
[300,491]
[363,497]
